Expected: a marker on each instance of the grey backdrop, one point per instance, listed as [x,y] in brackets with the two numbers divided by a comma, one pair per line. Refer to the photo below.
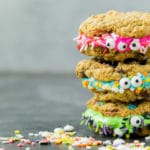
[36,35]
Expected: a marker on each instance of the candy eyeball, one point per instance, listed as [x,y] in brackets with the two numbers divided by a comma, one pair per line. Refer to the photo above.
[122,46]
[124,83]
[135,45]
[136,81]
[136,121]
[110,43]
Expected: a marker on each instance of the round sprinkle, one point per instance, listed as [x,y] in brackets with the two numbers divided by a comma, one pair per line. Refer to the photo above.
[68,128]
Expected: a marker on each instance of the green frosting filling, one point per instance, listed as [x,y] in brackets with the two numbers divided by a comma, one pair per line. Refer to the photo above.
[128,123]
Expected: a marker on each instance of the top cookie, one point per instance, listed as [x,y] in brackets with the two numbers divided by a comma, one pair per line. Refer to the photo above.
[116,35]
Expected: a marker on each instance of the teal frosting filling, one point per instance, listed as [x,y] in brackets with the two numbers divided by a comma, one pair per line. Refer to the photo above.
[115,86]
[117,122]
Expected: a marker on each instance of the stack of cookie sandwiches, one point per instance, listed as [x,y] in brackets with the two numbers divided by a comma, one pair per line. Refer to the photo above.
[118,72]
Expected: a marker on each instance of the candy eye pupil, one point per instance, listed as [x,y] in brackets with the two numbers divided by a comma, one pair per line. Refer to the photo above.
[134,45]
[108,44]
[124,46]
[136,80]
[126,83]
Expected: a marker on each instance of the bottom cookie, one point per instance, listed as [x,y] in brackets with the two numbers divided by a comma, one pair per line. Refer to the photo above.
[117,126]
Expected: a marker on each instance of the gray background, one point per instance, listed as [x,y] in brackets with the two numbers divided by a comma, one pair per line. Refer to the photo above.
[36,35]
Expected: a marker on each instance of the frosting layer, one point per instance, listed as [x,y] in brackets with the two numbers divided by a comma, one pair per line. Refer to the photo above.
[115,125]
[134,83]
[115,42]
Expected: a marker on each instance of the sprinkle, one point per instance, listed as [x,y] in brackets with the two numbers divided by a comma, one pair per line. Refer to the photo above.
[36,134]
[20,145]
[109,147]
[27,142]
[145,74]
[19,136]
[85,84]
[33,144]
[102,148]
[85,41]
[70,148]
[68,128]
[127,136]
[17,132]
[116,83]
[30,134]
[147,138]
[5,142]
[132,106]
[100,103]
[98,84]
[137,91]
[44,142]
[73,141]
[58,130]
[118,142]
[11,141]
[88,147]
[123,147]
[147,79]
[43,133]
[147,148]
[107,142]
[57,142]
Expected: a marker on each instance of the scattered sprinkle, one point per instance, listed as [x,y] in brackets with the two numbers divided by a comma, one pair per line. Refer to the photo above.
[58,130]
[68,128]
[67,136]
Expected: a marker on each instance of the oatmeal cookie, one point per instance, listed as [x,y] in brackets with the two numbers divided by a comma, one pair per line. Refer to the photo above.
[118,119]
[119,108]
[116,36]
[120,81]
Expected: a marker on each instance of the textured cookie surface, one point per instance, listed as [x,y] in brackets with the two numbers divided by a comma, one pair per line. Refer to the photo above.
[112,55]
[129,28]
[118,108]
[128,81]
[129,24]
[107,71]
[127,96]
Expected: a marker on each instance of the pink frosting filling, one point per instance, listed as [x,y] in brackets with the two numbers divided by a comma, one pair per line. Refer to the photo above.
[113,41]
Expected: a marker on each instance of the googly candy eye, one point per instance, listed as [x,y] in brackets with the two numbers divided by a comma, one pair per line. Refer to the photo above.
[136,121]
[110,43]
[122,46]
[124,83]
[136,81]
[135,45]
